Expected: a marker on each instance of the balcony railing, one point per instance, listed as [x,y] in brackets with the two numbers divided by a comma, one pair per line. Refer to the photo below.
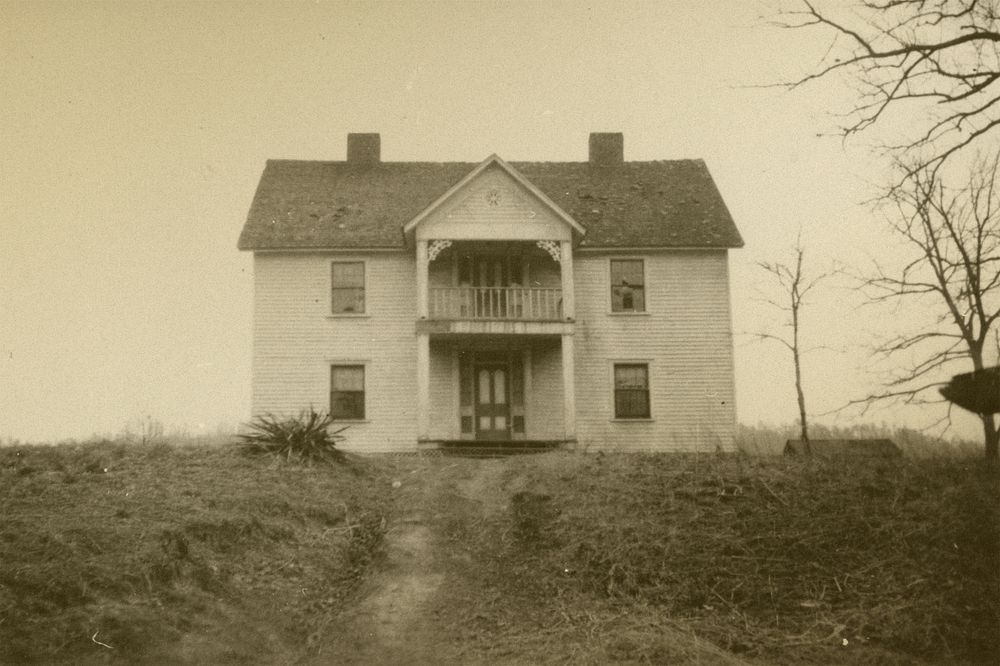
[503,303]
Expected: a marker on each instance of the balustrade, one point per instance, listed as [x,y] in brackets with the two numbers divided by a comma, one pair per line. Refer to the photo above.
[502,303]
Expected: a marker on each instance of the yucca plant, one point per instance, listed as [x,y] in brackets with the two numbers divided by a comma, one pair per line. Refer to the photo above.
[305,437]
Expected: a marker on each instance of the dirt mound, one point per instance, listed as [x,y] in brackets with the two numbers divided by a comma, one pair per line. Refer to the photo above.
[130,554]
[779,560]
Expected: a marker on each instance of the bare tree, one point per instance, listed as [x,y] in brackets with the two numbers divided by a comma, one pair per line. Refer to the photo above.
[941,57]
[795,286]
[953,234]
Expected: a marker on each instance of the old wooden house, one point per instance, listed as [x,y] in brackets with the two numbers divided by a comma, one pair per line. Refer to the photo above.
[424,303]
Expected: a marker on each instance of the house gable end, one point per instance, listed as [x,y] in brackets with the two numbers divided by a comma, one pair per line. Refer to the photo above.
[493,202]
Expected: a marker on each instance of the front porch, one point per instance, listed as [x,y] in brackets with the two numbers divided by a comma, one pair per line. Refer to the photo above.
[496,391]
[495,311]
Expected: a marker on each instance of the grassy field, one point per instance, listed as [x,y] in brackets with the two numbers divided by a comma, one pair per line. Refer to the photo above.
[772,560]
[158,553]
[116,553]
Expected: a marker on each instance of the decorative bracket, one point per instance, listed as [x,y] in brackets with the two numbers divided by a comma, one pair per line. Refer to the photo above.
[436,247]
[552,247]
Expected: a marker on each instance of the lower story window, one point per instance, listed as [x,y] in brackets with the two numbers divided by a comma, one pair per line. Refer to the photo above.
[347,392]
[631,391]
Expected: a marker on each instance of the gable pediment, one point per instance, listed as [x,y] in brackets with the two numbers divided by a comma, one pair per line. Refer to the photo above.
[495,195]
[493,202]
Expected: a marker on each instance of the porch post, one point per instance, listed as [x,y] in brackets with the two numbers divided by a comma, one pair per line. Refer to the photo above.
[423,386]
[569,388]
[566,272]
[422,264]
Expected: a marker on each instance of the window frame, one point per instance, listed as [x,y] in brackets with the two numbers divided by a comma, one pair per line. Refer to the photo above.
[611,287]
[648,365]
[364,288]
[349,364]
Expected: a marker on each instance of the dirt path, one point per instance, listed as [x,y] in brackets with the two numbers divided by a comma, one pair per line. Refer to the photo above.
[427,604]
[407,609]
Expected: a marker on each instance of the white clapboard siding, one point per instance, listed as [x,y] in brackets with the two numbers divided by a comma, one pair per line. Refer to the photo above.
[543,414]
[686,337]
[444,421]
[296,339]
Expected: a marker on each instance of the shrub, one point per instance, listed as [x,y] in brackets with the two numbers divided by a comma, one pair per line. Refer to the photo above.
[305,437]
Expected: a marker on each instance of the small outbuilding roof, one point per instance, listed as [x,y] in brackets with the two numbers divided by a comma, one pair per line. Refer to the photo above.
[329,205]
[833,448]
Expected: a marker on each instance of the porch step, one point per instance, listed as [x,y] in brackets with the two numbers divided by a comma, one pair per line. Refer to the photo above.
[466,447]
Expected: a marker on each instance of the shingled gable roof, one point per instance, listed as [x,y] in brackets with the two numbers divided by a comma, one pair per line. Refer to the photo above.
[410,226]
[302,205]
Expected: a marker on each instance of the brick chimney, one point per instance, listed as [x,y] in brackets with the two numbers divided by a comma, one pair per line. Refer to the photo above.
[607,148]
[364,149]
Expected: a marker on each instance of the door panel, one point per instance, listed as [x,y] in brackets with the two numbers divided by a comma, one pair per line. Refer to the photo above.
[492,404]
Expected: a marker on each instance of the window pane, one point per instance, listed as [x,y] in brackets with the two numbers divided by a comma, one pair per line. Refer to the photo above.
[499,422]
[484,387]
[627,299]
[631,404]
[627,294]
[499,387]
[348,285]
[627,270]
[348,300]
[639,296]
[484,423]
[631,377]
[347,378]
[631,391]
[349,274]
[347,404]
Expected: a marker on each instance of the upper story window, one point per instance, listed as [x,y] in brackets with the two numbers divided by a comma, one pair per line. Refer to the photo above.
[348,292]
[632,391]
[628,292]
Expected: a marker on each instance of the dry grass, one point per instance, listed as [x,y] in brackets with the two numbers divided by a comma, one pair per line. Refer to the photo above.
[122,553]
[158,554]
[766,440]
[775,561]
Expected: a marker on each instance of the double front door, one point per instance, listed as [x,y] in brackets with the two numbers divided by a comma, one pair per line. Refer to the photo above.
[491,395]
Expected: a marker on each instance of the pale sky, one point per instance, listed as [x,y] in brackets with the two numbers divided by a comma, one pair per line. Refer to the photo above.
[133,135]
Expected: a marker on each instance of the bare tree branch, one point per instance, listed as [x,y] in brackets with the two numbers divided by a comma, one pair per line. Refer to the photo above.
[941,56]
[953,234]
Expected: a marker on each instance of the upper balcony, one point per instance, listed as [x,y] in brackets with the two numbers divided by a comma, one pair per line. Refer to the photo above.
[496,287]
